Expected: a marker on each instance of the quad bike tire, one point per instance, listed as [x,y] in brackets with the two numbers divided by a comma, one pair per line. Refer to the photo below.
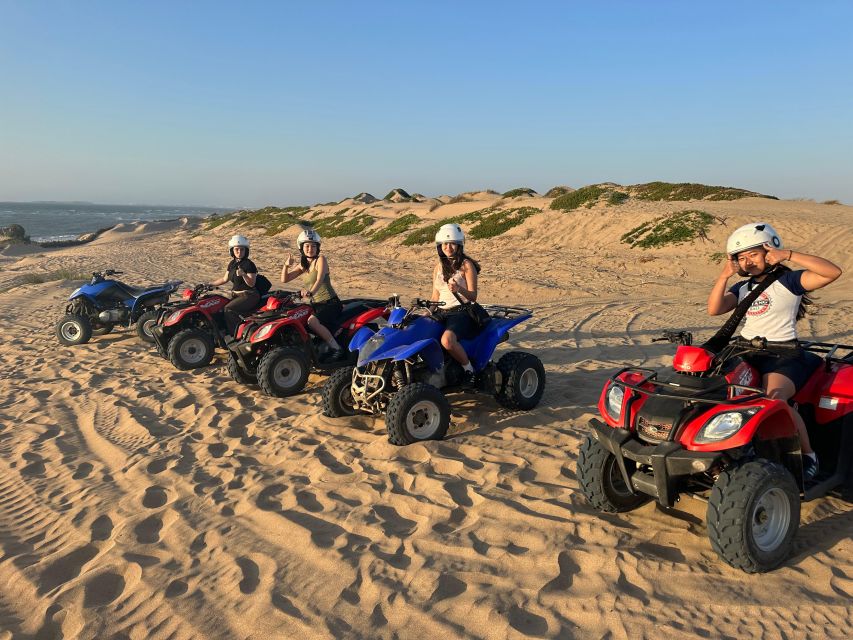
[146,322]
[102,328]
[283,371]
[190,349]
[237,373]
[73,329]
[601,481]
[753,515]
[417,412]
[337,394]
[522,380]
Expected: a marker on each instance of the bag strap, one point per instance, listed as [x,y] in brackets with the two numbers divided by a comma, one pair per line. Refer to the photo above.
[725,333]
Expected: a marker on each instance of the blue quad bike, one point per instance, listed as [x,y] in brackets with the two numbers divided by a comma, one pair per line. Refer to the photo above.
[403,372]
[97,307]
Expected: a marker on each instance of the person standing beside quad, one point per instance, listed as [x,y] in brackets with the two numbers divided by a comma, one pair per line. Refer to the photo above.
[454,282]
[243,275]
[756,250]
[317,286]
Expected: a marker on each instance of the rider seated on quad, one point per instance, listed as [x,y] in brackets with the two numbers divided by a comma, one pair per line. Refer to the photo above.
[242,274]
[318,287]
[454,282]
[755,250]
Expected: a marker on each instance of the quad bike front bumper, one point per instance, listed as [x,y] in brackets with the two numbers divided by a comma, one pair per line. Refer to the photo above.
[664,464]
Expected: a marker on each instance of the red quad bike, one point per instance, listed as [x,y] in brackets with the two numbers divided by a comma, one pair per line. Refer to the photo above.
[188,332]
[708,431]
[275,349]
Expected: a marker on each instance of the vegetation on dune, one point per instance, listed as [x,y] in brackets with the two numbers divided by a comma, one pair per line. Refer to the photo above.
[273,219]
[336,224]
[690,191]
[617,197]
[398,195]
[556,192]
[50,276]
[487,223]
[669,229]
[521,191]
[585,196]
[400,225]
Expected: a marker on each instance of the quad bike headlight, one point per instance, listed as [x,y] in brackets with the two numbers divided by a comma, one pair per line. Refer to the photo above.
[172,317]
[262,333]
[724,425]
[615,397]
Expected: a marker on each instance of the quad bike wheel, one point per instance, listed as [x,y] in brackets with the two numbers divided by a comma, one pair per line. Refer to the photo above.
[522,380]
[146,322]
[73,329]
[337,394]
[102,328]
[753,515]
[601,481]
[417,412]
[283,371]
[190,349]
[238,374]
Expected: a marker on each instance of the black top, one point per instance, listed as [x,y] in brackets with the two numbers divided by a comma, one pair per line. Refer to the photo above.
[237,281]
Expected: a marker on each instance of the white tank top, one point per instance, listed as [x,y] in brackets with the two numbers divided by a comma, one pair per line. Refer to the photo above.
[444,293]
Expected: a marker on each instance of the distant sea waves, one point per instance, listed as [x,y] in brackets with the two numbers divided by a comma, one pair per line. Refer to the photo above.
[57,221]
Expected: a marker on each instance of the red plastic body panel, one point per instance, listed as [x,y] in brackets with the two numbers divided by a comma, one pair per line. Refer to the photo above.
[745,375]
[296,319]
[207,306]
[831,392]
[773,421]
[692,359]
[366,318]
[631,377]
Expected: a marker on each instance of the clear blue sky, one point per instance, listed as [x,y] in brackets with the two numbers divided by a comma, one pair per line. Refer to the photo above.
[253,103]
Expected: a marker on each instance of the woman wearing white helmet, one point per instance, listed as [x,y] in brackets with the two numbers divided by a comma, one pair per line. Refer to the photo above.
[454,282]
[755,250]
[242,274]
[317,286]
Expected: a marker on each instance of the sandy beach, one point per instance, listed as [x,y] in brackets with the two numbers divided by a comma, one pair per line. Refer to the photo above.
[139,501]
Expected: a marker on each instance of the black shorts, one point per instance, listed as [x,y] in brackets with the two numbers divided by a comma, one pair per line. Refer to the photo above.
[328,313]
[798,369]
[460,323]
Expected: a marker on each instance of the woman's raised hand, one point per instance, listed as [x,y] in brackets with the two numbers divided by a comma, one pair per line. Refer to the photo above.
[290,261]
[776,256]
[730,267]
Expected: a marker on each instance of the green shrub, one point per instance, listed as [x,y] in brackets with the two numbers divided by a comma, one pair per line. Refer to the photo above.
[402,193]
[521,191]
[398,226]
[690,191]
[673,228]
[556,192]
[488,223]
[337,225]
[273,219]
[617,197]
[831,202]
[584,196]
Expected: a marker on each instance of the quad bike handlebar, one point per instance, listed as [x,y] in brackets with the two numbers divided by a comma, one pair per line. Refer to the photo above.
[761,344]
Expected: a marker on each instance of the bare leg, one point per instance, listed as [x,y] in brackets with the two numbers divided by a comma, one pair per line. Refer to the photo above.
[449,342]
[322,332]
[781,387]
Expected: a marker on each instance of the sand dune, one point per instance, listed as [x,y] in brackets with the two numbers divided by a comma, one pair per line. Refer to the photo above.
[138,501]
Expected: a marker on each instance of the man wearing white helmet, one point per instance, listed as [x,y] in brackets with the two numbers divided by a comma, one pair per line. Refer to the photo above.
[755,250]
[454,281]
[242,274]
[317,285]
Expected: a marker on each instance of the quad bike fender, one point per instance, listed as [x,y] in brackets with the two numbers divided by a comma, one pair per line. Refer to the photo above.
[360,338]
[367,317]
[773,421]
[428,349]
[182,316]
[275,327]
[481,348]
[149,300]
[830,391]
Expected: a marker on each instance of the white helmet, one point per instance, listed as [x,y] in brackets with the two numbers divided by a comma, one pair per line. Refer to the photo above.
[749,236]
[308,235]
[450,233]
[238,241]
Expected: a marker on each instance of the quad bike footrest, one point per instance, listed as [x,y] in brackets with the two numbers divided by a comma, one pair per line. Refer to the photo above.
[668,462]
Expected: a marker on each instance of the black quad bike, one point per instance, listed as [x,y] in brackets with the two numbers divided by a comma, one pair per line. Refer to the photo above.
[707,430]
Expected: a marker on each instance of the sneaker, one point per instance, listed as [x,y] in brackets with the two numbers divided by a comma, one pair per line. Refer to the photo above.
[469,378]
[810,468]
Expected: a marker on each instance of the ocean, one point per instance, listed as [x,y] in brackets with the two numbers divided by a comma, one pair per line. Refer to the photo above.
[52,221]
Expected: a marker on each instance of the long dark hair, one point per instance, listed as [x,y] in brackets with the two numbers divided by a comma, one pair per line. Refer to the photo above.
[451,265]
